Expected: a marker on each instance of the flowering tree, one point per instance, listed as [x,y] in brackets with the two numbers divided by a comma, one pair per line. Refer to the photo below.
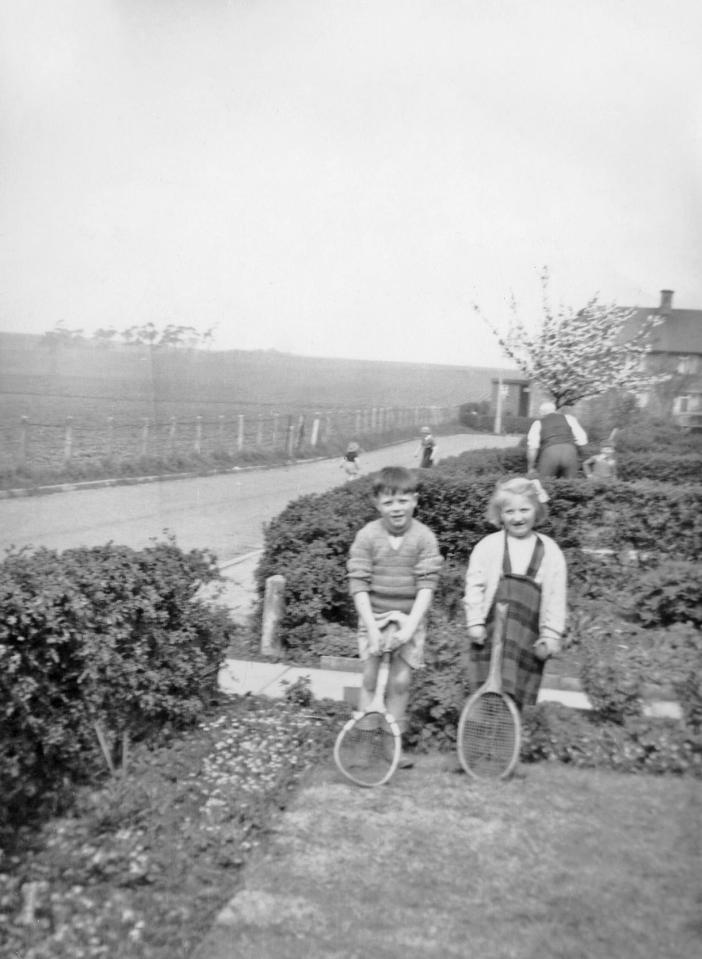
[583,353]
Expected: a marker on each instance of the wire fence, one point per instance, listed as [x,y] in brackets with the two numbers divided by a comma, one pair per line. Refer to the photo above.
[28,445]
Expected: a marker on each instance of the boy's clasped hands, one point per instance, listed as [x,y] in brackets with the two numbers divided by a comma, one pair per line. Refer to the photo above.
[381,640]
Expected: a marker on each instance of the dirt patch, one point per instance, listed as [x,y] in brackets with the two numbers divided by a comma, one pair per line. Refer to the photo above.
[561,862]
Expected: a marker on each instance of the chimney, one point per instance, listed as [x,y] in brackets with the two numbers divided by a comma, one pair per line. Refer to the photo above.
[666,301]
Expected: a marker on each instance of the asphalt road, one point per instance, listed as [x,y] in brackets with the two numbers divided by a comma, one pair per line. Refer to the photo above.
[225,513]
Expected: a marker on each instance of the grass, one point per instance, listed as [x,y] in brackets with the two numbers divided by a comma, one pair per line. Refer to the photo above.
[140,864]
[47,469]
[564,862]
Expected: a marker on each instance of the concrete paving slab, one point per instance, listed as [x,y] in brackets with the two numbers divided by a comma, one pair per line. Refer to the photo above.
[273,679]
[241,676]
[239,593]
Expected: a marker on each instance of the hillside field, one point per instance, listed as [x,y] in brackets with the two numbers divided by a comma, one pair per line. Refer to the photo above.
[91,382]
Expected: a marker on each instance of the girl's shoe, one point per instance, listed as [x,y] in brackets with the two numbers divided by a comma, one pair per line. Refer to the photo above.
[406,762]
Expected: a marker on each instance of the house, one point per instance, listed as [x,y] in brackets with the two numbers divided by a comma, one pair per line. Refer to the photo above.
[676,351]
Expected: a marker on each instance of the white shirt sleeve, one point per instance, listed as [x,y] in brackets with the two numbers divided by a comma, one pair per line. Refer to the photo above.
[533,440]
[579,434]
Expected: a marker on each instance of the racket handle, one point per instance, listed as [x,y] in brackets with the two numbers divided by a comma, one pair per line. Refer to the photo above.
[388,635]
[494,679]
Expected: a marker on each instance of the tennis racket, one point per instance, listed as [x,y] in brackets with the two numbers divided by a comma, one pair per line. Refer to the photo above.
[490,730]
[368,748]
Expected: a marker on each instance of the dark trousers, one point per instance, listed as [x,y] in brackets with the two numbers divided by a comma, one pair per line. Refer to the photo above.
[560,460]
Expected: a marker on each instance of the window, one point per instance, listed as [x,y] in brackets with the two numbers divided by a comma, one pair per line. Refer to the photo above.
[688,364]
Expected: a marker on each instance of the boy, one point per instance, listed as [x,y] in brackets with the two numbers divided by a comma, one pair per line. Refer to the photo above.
[393,570]
[601,466]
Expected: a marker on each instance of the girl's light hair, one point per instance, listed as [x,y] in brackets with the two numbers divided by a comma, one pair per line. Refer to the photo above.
[516,486]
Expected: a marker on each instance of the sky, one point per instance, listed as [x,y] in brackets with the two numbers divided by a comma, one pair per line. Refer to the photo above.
[346,177]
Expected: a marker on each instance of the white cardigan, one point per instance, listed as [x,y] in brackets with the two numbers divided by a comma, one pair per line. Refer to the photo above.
[484,572]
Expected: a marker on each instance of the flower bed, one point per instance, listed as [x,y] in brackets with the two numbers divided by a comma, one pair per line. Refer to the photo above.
[139,865]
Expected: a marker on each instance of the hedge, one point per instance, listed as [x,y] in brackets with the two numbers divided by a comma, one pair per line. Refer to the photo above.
[657,465]
[105,638]
[309,541]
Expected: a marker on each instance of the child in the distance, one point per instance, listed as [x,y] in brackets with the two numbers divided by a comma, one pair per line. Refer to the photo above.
[527,570]
[393,570]
[349,462]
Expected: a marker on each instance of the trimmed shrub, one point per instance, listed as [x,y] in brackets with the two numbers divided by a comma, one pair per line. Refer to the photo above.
[309,541]
[661,467]
[105,636]
[495,462]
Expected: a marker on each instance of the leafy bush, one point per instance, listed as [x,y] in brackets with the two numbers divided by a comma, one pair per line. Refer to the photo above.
[689,694]
[614,736]
[438,691]
[104,638]
[553,732]
[614,690]
[620,659]
[666,594]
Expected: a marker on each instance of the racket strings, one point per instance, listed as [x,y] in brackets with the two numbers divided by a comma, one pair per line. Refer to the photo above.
[488,736]
[366,751]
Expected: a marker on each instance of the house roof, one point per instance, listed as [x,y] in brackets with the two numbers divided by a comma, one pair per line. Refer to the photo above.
[679,332]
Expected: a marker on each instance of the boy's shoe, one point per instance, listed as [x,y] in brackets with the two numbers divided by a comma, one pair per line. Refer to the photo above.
[406,762]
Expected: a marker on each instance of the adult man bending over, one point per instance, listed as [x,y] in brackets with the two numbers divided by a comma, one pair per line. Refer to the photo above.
[553,441]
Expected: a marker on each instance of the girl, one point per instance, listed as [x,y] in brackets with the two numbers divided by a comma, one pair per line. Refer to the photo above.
[528,571]
[426,448]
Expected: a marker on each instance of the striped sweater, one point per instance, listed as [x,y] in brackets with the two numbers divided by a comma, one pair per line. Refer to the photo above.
[392,577]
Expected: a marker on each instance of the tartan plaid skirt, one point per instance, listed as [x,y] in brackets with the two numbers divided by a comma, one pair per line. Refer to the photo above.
[521,669]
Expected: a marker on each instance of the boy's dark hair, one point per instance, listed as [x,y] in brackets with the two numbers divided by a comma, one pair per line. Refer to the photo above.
[394,479]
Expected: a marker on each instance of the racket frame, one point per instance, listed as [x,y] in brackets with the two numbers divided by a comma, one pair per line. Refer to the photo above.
[493,684]
[377,705]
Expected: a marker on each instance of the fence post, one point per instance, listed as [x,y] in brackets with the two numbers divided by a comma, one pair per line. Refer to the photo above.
[220,432]
[272,614]
[274,438]
[198,434]
[68,440]
[145,437]
[23,442]
[300,432]
[290,438]
[110,436]
[259,432]
[314,435]
[172,436]
[240,432]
